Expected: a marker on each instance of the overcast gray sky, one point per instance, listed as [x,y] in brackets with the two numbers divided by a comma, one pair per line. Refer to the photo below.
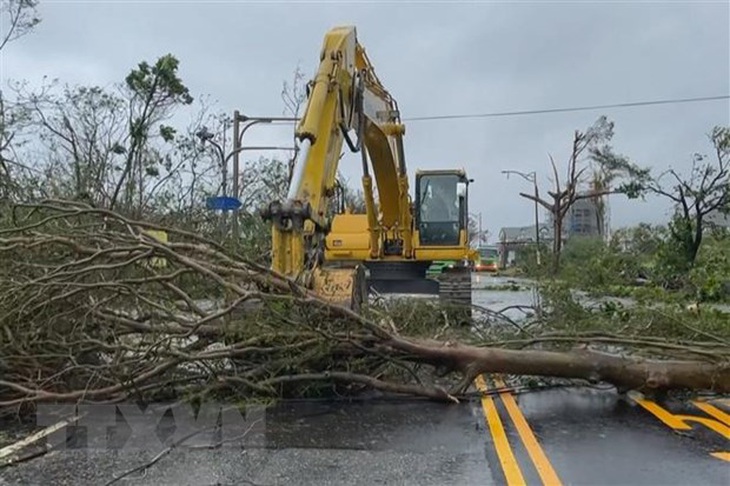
[436,58]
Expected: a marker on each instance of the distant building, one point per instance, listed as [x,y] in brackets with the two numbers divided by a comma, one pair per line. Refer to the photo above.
[512,238]
[586,217]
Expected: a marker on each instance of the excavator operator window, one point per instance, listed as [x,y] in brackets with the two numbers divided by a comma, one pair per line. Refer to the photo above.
[439,217]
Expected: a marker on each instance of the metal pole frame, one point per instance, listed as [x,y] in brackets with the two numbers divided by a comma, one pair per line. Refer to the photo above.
[238,134]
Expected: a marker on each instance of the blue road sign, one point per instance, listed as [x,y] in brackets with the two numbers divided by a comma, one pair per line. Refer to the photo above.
[223,203]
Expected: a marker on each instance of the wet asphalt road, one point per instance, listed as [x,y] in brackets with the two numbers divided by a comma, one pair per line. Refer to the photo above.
[598,438]
[308,443]
[560,436]
[588,437]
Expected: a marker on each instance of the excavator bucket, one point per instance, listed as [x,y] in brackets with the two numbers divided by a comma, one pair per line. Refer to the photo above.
[341,286]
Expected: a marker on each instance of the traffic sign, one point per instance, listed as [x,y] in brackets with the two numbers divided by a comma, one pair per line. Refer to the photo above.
[223,203]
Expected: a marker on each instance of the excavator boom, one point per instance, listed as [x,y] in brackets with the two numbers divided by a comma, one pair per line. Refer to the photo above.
[395,240]
[345,96]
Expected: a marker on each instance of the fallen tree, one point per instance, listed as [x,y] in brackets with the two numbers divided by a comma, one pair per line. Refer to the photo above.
[94,307]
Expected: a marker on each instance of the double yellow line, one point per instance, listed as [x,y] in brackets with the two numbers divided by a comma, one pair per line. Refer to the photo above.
[506,456]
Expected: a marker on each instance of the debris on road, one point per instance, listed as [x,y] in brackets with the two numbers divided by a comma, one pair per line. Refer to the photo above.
[87,316]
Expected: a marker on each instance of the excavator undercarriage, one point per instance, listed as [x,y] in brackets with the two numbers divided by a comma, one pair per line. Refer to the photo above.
[353,286]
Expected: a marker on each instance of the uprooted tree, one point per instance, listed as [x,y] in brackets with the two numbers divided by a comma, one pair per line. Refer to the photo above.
[94,307]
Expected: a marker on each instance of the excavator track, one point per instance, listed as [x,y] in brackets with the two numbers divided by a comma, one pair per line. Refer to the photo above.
[455,294]
[455,287]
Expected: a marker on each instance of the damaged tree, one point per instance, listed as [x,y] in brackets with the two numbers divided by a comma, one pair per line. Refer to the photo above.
[697,197]
[593,142]
[94,308]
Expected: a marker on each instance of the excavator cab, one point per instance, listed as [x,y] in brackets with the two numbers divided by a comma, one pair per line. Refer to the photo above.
[441,210]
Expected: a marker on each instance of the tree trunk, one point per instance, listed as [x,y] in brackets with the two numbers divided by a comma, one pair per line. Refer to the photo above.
[695,242]
[149,332]
[557,243]
[626,373]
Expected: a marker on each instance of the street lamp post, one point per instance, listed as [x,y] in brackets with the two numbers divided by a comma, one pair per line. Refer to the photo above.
[238,133]
[531,177]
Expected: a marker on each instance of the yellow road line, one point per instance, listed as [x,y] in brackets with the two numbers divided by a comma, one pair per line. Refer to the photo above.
[725,456]
[504,452]
[544,468]
[669,419]
[713,411]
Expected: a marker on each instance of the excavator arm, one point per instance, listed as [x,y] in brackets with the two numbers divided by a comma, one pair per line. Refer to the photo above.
[346,103]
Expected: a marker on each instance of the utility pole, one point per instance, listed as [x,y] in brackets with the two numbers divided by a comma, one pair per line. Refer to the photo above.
[531,177]
[236,166]
[537,221]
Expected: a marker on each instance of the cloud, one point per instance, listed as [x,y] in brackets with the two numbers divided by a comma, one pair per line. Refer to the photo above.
[435,59]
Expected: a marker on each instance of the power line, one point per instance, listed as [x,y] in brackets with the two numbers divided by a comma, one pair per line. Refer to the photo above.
[563,110]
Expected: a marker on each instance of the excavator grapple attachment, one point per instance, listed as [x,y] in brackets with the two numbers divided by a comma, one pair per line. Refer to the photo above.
[341,286]
[334,284]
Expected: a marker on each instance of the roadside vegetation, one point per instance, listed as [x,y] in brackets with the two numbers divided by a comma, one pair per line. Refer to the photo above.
[637,282]
[644,263]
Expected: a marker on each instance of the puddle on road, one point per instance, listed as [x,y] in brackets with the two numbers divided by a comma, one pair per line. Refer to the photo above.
[495,293]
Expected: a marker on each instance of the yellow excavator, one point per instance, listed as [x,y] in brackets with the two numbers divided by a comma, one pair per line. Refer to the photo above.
[343,256]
